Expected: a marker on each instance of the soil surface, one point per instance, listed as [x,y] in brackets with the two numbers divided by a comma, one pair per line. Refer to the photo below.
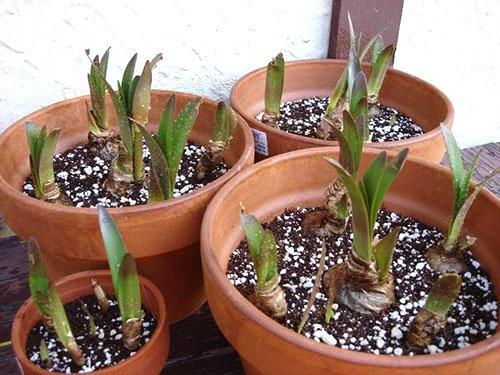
[472,318]
[302,117]
[104,350]
[81,174]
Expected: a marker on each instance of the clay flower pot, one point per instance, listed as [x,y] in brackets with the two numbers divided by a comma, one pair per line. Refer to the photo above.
[424,103]
[163,237]
[422,190]
[149,359]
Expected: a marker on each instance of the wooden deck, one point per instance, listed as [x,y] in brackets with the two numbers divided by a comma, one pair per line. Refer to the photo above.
[197,345]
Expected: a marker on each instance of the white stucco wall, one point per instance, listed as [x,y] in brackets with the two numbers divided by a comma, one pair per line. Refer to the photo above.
[454,44]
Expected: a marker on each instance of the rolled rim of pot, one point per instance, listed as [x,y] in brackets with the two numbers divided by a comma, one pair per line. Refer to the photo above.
[71,288]
[12,195]
[215,263]
[318,76]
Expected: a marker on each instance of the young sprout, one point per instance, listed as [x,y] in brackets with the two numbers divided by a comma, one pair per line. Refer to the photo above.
[332,219]
[62,327]
[42,145]
[92,326]
[167,147]
[448,255]
[39,282]
[44,353]
[98,120]
[341,97]
[100,295]
[125,280]
[432,317]
[275,77]
[225,122]
[363,282]
[132,104]
[268,296]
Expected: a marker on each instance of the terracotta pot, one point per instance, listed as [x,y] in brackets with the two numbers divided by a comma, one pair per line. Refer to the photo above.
[424,103]
[150,359]
[423,191]
[162,237]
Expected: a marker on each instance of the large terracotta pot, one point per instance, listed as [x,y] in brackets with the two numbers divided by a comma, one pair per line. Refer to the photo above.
[162,237]
[150,359]
[422,190]
[424,103]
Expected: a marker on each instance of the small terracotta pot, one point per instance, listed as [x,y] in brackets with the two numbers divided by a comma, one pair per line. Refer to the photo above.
[150,359]
[424,103]
[162,237]
[422,190]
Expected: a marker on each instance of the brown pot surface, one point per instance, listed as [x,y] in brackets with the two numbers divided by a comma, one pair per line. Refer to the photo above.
[162,237]
[423,102]
[150,359]
[422,190]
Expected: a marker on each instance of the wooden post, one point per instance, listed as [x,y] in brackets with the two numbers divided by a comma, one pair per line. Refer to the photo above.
[369,17]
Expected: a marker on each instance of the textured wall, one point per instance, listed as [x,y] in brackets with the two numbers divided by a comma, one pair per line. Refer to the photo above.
[207,45]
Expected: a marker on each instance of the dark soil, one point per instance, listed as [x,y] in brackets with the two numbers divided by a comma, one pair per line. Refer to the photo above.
[472,318]
[302,117]
[81,173]
[104,350]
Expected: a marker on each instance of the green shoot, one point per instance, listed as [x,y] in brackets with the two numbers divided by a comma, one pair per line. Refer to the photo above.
[42,145]
[269,296]
[132,103]
[432,317]
[62,327]
[366,198]
[39,282]
[92,326]
[100,295]
[167,147]
[44,353]
[380,64]
[98,121]
[275,77]
[225,122]
[125,280]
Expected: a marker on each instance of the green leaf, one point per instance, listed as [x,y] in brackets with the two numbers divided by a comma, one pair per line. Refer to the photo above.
[275,77]
[126,84]
[103,64]
[370,183]
[141,102]
[113,244]
[360,223]
[379,69]
[378,47]
[444,293]
[354,68]
[225,122]
[159,190]
[129,103]
[138,161]
[33,136]
[46,158]
[464,185]
[129,290]
[377,187]
[383,252]
[155,60]
[357,104]
[354,137]
[267,262]
[38,279]
[352,35]
[458,222]
[44,352]
[166,128]
[181,129]
[456,164]
[254,233]
[346,153]
[59,317]
[337,93]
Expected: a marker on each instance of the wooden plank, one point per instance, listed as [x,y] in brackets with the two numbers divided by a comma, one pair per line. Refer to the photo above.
[369,18]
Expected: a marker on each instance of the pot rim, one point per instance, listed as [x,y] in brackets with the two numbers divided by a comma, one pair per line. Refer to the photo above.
[11,193]
[247,309]
[161,319]
[448,120]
